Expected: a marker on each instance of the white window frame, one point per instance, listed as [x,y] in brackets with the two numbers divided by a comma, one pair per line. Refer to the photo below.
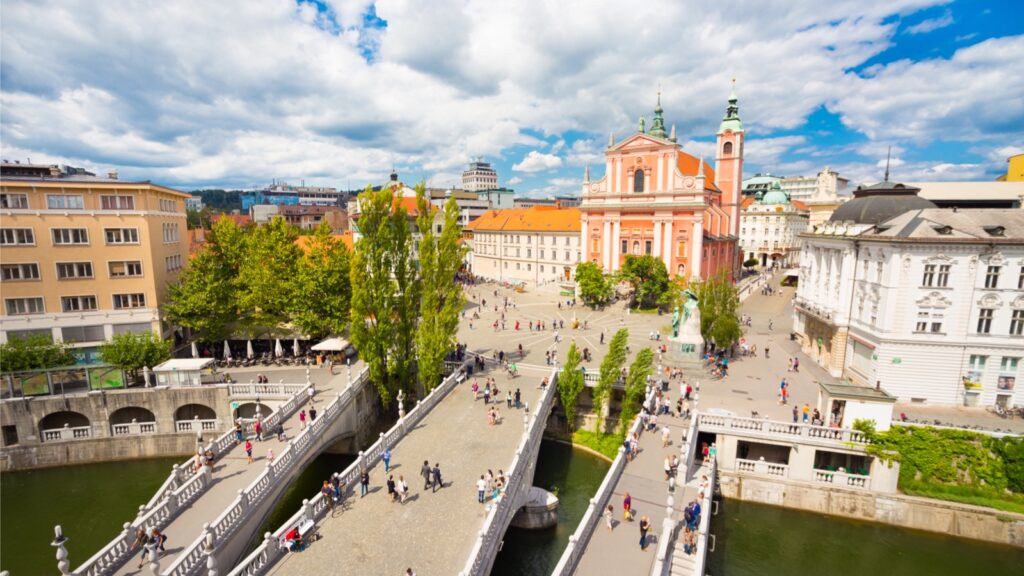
[7,204]
[20,267]
[24,301]
[78,307]
[121,233]
[118,199]
[65,200]
[70,231]
[76,264]
[127,265]
[14,233]
[133,300]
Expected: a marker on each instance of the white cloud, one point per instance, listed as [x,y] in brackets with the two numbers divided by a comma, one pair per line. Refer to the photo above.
[536,161]
[514,180]
[933,24]
[766,151]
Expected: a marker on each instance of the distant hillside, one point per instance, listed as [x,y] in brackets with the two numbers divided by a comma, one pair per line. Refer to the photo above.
[218,200]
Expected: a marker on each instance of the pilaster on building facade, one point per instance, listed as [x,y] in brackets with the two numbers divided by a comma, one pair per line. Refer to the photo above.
[655,199]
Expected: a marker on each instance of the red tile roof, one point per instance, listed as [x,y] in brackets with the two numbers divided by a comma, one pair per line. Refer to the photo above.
[533,219]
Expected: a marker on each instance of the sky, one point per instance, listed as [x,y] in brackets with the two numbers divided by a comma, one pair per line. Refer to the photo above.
[237,93]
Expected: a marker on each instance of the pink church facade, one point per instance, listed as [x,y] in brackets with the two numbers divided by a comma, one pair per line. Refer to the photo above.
[656,199]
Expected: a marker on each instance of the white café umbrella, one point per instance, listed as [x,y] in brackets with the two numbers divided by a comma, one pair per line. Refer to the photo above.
[248,349]
[227,350]
[195,350]
[278,350]
[295,347]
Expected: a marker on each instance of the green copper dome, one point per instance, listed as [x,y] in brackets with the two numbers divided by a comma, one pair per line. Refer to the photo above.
[775,195]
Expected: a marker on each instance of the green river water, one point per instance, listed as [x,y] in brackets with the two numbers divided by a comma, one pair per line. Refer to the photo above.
[92,501]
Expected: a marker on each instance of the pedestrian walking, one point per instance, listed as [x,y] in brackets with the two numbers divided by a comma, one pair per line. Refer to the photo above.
[796,416]
[518,397]
[312,415]
[508,399]
[310,392]
[426,473]
[645,525]
[437,478]
[392,494]
[158,539]
[270,455]
[627,507]
[364,482]
[403,489]
[302,419]
[608,513]
[257,428]
[387,459]
[665,436]
[766,351]
[238,433]
[481,487]
[248,451]
[327,491]
[141,539]
[807,412]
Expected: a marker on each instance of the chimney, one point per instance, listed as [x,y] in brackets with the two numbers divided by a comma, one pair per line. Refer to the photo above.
[112,174]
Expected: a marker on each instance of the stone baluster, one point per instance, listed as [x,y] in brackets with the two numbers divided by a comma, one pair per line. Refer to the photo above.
[59,539]
[208,549]
[307,510]
[243,499]
[172,503]
[269,542]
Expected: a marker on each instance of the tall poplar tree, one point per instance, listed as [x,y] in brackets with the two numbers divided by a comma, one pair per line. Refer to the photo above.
[322,287]
[440,258]
[266,276]
[406,300]
[570,384]
[636,385]
[373,289]
[611,368]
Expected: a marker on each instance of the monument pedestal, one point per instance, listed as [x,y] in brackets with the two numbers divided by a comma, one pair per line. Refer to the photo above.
[685,348]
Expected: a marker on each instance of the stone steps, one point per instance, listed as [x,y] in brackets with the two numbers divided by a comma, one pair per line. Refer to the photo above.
[682,565]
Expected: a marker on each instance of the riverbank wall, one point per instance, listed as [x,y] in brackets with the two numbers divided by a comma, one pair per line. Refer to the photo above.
[955,519]
[48,455]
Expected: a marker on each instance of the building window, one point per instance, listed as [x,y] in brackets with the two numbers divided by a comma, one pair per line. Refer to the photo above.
[976,367]
[517,252]
[170,232]
[122,301]
[648,247]
[73,270]
[125,269]
[929,275]
[517,266]
[942,280]
[992,277]
[567,238]
[121,235]
[16,272]
[636,248]
[83,334]
[922,326]
[1020,279]
[595,246]
[727,149]
[542,268]
[168,206]
[64,202]
[625,247]
[1007,373]
[77,303]
[17,237]
[937,327]
[22,306]
[70,236]
[14,201]
[117,202]
[173,263]
[681,249]
[529,267]
[985,320]
[1017,323]
[567,258]
[638,181]
[579,256]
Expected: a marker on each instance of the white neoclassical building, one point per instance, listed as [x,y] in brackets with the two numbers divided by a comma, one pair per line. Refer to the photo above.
[770,225]
[926,302]
[537,244]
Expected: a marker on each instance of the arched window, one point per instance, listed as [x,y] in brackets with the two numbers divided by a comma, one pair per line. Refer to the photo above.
[636,248]
[727,149]
[638,181]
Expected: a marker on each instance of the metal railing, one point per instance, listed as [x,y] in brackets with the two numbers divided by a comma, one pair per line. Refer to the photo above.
[191,560]
[272,549]
[182,487]
[578,540]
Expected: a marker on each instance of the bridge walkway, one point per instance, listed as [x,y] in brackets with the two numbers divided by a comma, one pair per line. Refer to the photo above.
[432,532]
[232,473]
[618,551]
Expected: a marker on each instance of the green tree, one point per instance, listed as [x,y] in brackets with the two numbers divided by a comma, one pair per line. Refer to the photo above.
[750,262]
[204,298]
[322,286]
[35,352]
[408,287]
[266,276]
[570,384]
[636,385]
[649,279]
[718,303]
[611,369]
[440,258]
[131,352]
[595,287]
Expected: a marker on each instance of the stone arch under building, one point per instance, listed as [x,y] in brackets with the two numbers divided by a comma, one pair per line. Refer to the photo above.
[248,410]
[195,412]
[128,413]
[57,420]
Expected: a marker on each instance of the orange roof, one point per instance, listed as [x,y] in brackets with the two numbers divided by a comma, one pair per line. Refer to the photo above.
[798,204]
[533,219]
[688,166]
[747,202]
[240,219]
[409,203]
[303,241]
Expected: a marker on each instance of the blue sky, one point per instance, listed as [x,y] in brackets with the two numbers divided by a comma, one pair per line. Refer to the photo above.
[335,92]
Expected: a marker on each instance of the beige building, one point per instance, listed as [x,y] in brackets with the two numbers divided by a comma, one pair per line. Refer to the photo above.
[86,257]
[539,244]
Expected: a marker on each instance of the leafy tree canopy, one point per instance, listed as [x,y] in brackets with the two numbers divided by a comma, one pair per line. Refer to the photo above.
[36,352]
[649,279]
[595,287]
[570,384]
[131,352]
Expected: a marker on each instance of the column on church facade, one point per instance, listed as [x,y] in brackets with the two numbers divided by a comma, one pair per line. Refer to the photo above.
[606,254]
[657,239]
[666,245]
[616,241]
[696,246]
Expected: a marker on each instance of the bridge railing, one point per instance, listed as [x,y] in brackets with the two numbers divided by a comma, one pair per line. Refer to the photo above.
[182,487]
[253,389]
[68,432]
[500,515]
[270,551]
[578,540]
[191,560]
[777,428]
[133,428]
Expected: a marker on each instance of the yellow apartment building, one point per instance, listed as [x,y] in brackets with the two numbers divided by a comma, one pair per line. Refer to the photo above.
[84,257]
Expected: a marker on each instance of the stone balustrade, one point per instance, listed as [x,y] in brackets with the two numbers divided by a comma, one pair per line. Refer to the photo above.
[578,540]
[763,468]
[273,549]
[67,432]
[254,390]
[133,428]
[182,487]
[843,479]
[733,424]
